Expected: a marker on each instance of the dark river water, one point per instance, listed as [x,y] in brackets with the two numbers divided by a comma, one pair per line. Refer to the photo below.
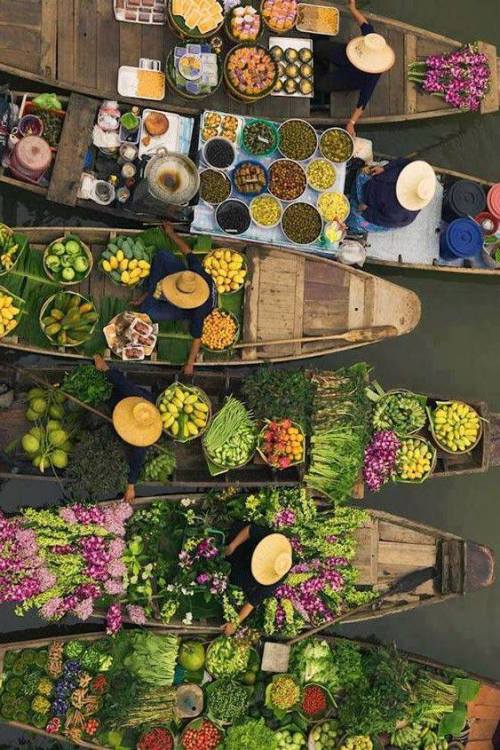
[454,350]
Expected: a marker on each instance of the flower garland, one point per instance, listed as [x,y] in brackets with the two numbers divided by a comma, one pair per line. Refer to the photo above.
[461,78]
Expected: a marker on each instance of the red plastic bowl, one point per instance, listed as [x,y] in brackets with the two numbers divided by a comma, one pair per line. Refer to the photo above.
[486,216]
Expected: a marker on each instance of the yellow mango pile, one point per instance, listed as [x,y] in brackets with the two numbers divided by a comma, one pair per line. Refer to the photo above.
[8,314]
[456,425]
[226,268]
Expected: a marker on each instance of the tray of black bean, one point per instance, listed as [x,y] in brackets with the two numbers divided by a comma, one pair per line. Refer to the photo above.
[297,140]
[259,138]
[250,178]
[233,216]
[337,145]
[215,186]
[219,153]
[301,223]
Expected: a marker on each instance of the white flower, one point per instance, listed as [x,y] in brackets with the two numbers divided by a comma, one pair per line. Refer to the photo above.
[186,502]
[188,619]
[170,587]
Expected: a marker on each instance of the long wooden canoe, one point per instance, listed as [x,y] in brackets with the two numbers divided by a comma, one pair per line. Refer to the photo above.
[390,547]
[191,471]
[289,296]
[483,713]
[80,46]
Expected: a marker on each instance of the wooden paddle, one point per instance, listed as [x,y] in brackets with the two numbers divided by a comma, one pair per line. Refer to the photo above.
[356,336]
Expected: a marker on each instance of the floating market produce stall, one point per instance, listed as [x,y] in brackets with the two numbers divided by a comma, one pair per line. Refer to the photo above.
[330,693]
[277,312]
[165,562]
[83,47]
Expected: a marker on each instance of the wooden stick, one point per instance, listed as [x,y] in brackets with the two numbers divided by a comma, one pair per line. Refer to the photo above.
[354,336]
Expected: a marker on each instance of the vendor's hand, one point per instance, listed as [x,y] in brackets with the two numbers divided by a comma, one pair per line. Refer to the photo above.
[228,551]
[168,229]
[100,363]
[362,206]
[375,170]
[188,368]
[129,495]
[350,127]
[229,629]
[139,300]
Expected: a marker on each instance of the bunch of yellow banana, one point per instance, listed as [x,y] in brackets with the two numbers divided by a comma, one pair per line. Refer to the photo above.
[8,248]
[456,425]
[184,413]
[8,314]
[226,268]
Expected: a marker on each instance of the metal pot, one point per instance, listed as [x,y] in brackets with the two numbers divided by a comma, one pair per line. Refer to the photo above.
[172,178]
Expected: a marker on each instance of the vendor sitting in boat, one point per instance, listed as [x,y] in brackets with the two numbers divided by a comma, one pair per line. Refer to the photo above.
[259,562]
[176,293]
[391,196]
[357,66]
[136,420]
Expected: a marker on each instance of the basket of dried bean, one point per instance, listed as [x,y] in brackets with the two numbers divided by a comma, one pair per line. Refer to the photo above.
[215,186]
[249,178]
[287,180]
[336,145]
[297,140]
[301,223]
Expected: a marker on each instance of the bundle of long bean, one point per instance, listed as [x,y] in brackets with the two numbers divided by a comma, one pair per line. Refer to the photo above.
[152,705]
[340,431]
[231,438]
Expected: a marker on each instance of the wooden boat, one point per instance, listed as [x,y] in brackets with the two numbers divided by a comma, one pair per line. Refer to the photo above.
[483,713]
[80,46]
[191,471]
[299,303]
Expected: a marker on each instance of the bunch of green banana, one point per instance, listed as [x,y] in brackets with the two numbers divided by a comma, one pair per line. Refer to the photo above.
[8,248]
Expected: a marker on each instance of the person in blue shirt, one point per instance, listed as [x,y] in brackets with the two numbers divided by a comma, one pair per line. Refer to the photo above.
[176,293]
[357,66]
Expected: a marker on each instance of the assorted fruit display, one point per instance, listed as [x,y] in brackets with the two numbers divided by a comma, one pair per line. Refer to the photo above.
[68,319]
[220,330]
[456,426]
[228,269]
[100,689]
[10,311]
[9,249]
[127,261]
[281,444]
[185,411]
[67,260]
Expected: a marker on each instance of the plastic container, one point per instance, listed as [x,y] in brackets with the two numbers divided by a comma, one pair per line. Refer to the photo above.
[493,200]
[490,224]
[271,147]
[462,239]
[463,198]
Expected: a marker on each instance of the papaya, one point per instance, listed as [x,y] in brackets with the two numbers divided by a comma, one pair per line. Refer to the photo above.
[48,321]
[61,300]
[61,338]
[71,317]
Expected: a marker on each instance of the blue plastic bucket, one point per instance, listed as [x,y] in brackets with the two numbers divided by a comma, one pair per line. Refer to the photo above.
[463,238]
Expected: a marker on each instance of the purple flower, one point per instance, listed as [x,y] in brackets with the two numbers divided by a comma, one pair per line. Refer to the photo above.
[114,587]
[202,578]
[116,548]
[206,549]
[284,518]
[84,609]
[136,614]
[113,619]
[68,515]
[117,568]
[52,608]
[185,560]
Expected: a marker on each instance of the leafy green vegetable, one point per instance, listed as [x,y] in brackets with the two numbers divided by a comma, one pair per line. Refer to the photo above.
[87,384]
[153,657]
[313,661]
[98,468]
[252,734]
[275,394]
[227,700]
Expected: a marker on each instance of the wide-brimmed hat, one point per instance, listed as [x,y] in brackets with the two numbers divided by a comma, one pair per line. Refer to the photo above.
[271,559]
[137,421]
[371,53]
[416,186]
[185,289]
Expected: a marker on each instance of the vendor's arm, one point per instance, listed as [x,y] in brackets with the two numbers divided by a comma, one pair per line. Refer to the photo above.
[356,14]
[176,239]
[137,456]
[188,368]
[240,538]
[246,610]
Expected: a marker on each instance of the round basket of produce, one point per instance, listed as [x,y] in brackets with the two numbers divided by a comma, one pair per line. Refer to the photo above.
[301,223]
[287,180]
[243,24]
[156,737]
[250,73]
[415,461]
[227,657]
[400,411]
[219,152]
[233,216]
[228,268]
[259,138]
[324,735]
[215,186]
[231,439]
[188,22]
[282,694]
[280,16]
[194,74]
[10,251]
[333,206]
[321,175]
[266,211]
[249,178]
[68,319]
[227,700]
[290,738]
[337,145]
[316,702]
[201,734]
[126,261]
[10,311]
[281,444]
[297,140]
[186,411]
[455,426]
[221,331]
[67,260]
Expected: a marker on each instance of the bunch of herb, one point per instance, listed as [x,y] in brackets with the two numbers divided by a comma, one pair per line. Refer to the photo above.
[276,394]
[227,700]
[87,384]
[252,734]
[99,467]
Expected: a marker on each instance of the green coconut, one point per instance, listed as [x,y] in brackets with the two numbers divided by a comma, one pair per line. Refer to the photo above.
[39,405]
[57,438]
[30,443]
[59,459]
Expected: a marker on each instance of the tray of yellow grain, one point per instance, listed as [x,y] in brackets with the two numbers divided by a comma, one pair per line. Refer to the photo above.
[318,19]
[141,83]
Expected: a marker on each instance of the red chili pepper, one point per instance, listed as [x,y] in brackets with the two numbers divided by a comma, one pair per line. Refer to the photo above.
[158,738]
[314,700]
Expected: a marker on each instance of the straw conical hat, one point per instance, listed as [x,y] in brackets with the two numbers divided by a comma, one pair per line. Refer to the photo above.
[416,186]
[185,289]
[371,53]
[271,559]
[137,421]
